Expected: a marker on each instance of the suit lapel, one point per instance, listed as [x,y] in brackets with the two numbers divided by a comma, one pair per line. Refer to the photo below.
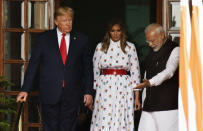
[71,48]
[56,46]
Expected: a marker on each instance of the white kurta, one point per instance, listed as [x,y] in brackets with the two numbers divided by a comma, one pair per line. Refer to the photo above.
[114,101]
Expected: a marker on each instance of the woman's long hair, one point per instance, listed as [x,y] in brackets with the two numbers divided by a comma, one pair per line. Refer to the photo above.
[107,37]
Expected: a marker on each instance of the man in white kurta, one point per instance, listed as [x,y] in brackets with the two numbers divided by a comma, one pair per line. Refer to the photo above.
[160,108]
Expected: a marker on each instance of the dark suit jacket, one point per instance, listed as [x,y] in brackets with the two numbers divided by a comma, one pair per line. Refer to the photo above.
[77,72]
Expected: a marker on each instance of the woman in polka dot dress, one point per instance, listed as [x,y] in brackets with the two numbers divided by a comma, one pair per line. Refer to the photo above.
[116,72]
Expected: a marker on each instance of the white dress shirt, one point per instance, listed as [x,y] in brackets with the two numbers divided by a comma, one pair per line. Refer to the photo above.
[168,72]
[67,38]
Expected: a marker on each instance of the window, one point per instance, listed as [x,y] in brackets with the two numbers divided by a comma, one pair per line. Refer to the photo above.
[171,18]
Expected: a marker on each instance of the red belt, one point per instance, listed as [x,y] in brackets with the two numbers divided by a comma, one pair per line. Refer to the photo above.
[114,72]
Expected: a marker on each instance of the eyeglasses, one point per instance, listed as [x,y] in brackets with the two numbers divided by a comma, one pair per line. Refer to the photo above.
[150,41]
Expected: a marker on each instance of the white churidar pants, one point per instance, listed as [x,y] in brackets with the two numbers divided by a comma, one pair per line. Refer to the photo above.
[159,121]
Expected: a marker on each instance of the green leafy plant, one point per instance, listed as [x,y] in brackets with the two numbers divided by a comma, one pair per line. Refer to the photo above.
[7,105]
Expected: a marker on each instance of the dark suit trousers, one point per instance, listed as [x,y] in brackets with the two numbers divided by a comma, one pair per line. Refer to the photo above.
[59,117]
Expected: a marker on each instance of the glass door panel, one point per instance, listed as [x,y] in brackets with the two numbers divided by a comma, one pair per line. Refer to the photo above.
[15,74]
[31,41]
[34,110]
[14,14]
[174,15]
[14,45]
[38,15]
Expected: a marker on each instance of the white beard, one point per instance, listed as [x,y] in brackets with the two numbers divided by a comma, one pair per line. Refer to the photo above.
[155,49]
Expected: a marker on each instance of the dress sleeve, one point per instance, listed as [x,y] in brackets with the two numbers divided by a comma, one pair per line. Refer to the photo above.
[134,67]
[96,59]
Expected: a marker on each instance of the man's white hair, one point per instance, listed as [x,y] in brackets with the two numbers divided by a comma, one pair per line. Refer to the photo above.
[156,27]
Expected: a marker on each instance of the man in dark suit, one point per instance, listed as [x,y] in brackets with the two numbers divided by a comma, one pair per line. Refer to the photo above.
[66,76]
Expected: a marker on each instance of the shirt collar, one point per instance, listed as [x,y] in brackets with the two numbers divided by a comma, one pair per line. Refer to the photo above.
[59,33]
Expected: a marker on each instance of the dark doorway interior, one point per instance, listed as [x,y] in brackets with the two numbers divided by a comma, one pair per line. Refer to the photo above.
[91,16]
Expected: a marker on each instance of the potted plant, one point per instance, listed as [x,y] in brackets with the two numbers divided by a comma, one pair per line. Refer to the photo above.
[7,106]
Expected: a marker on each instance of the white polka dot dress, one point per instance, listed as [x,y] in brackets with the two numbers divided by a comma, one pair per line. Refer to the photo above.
[114,101]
